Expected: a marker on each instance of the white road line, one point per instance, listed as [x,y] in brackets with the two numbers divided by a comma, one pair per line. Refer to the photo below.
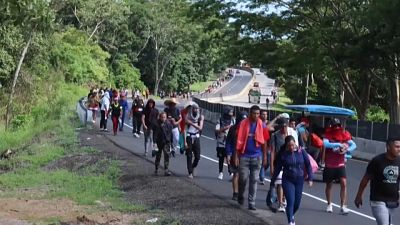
[209,138]
[304,193]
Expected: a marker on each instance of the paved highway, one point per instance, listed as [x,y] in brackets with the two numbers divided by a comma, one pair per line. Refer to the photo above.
[234,86]
[266,85]
[313,205]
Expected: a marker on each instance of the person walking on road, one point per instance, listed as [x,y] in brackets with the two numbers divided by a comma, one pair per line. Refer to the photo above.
[124,104]
[182,127]
[383,172]
[149,118]
[230,148]
[194,121]
[105,106]
[136,115]
[163,136]
[292,160]
[93,104]
[337,142]
[251,145]
[221,132]
[116,113]
[173,115]
[264,119]
[277,141]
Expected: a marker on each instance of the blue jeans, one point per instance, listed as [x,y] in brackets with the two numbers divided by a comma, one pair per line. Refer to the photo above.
[263,170]
[382,214]
[292,189]
[254,165]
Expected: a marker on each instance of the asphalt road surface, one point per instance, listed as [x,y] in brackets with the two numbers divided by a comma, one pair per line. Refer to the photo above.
[234,86]
[312,210]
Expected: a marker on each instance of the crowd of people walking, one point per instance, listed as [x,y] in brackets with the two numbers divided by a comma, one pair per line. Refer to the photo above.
[292,150]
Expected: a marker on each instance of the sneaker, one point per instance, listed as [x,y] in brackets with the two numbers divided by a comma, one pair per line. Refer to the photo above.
[292,223]
[284,203]
[281,209]
[221,176]
[190,176]
[252,207]
[231,175]
[235,196]
[136,135]
[105,130]
[141,132]
[240,200]
[167,173]
[329,208]
[344,210]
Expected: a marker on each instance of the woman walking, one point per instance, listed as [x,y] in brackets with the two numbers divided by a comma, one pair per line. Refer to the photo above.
[93,102]
[149,118]
[116,113]
[292,160]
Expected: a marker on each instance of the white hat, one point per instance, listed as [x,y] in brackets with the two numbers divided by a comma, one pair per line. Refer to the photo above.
[285,115]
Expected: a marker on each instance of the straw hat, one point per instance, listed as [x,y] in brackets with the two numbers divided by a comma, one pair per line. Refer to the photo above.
[172,100]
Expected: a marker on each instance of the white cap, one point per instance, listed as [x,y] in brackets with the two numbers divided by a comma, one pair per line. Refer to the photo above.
[285,115]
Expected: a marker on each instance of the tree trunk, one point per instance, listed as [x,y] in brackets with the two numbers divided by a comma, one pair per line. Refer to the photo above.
[394,100]
[16,74]
[156,83]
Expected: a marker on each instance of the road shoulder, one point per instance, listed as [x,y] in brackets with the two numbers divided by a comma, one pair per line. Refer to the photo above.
[179,200]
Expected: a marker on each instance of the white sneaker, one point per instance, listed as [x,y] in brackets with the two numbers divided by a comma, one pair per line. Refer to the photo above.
[329,208]
[141,132]
[190,176]
[136,135]
[344,210]
[281,209]
[221,176]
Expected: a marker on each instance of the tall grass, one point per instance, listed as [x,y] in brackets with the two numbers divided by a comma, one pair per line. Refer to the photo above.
[46,134]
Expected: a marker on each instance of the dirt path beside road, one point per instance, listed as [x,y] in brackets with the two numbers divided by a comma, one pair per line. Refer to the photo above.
[172,200]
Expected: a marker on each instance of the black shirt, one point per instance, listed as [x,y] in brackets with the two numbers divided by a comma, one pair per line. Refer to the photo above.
[173,113]
[150,116]
[116,110]
[162,133]
[384,175]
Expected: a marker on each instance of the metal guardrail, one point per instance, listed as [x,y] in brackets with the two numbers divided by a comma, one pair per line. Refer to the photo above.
[358,128]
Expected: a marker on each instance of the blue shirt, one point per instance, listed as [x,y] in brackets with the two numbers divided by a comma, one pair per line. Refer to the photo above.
[124,104]
[252,151]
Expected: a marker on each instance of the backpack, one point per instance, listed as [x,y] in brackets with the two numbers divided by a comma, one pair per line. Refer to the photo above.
[313,163]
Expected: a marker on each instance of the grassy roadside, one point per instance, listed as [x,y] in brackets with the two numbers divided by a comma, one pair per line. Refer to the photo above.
[201,86]
[49,134]
[283,100]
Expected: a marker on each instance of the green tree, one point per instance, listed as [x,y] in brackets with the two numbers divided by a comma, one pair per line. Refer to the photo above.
[31,17]
[81,61]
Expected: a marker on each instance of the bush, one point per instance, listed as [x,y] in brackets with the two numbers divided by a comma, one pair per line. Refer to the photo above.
[377,114]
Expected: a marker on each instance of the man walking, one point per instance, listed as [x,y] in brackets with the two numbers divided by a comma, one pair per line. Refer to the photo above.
[163,136]
[251,146]
[264,119]
[337,142]
[105,106]
[383,172]
[174,116]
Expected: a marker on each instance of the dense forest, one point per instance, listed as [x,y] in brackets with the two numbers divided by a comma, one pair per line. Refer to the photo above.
[341,52]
